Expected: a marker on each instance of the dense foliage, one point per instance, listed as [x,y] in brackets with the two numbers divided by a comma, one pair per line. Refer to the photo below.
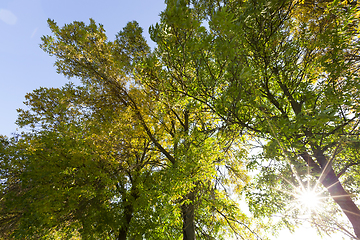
[154,144]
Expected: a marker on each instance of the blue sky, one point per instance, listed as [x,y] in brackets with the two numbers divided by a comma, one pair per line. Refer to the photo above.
[25,67]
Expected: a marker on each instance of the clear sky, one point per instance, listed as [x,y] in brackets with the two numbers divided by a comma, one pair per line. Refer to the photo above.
[25,67]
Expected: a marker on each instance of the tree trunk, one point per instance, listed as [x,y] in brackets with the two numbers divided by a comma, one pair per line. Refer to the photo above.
[342,198]
[122,234]
[128,214]
[338,193]
[188,211]
[128,210]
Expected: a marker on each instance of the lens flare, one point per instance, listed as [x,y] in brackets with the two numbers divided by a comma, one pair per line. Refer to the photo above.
[308,199]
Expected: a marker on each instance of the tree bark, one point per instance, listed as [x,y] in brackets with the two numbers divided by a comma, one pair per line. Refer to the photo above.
[330,180]
[128,214]
[188,213]
[128,209]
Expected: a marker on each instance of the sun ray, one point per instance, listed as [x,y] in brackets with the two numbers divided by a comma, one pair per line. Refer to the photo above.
[309,199]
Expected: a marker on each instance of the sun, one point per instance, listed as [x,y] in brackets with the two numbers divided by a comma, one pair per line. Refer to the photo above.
[308,199]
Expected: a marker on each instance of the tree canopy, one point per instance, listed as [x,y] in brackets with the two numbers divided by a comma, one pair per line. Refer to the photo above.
[113,158]
[157,144]
[285,73]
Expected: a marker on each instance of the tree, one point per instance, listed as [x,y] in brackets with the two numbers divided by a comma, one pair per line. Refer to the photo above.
[114,157]
[78,174]
[281,75]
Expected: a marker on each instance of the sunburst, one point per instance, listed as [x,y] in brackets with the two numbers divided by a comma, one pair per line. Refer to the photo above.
[308,199]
